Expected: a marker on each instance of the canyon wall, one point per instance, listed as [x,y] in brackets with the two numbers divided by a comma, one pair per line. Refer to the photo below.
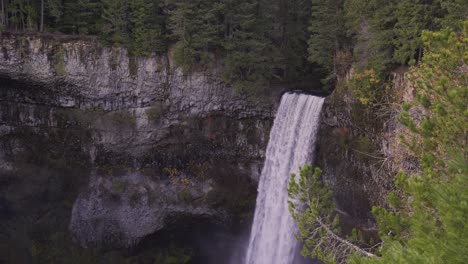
[127,145]
[112,149]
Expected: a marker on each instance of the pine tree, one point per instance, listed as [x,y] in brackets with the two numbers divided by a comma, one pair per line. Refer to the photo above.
[198,27]
[17,14]
[81,17]
[147,28]
[53,12]
[115,15]
[291,36]
[327,32]
[250,52]
[413,18]
[456,11]
[427,222]
[311,206]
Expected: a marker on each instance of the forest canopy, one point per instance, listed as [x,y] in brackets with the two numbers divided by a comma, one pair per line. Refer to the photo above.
[259,41]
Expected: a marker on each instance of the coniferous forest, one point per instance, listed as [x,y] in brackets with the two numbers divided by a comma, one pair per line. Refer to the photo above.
[348,50]
[261,42]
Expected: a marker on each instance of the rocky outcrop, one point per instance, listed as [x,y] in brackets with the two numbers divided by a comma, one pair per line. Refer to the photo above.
[360,152]
[153,141]
[121,211]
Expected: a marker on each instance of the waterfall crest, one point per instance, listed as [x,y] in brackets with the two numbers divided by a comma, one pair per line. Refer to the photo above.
[291,144]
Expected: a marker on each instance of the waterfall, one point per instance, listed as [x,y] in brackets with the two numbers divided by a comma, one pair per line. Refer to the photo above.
[292,141]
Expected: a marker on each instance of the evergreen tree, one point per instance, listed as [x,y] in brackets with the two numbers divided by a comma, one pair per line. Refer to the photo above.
[81,17]
[250,53]
[427,219]
[327,32]
[115,26]
[387,32]
[291,36]
[17,14]
[413,18]
[312,208]
[145,31]
[382,24]
[53,14]
[427,223]
[456,11]
[197,25]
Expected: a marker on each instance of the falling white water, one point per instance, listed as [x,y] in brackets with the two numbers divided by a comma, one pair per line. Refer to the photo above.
[292,141]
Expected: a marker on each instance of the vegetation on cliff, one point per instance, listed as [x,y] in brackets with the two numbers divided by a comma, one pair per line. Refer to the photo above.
[259,42]
[426,220]
[318,224]
[262,42]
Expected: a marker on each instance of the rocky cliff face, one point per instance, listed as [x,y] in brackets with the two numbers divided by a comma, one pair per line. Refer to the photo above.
[360,152]
[126,144]
[112,148]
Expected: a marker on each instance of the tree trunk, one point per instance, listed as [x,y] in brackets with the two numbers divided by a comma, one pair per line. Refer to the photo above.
[344,241]
[42,16]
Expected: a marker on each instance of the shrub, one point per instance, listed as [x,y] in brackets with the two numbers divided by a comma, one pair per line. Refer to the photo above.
[366,86]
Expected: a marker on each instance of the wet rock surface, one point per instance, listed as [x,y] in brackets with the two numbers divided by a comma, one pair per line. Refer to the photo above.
[113,147]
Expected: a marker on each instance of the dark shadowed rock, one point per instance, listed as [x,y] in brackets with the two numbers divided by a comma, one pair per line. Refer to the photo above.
[91,116]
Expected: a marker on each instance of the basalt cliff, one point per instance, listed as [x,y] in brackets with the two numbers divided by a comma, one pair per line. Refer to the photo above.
[102,150]
[115,148]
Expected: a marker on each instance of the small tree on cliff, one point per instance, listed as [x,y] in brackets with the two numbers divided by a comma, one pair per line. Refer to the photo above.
[427,222]
[427,219]
[311,207]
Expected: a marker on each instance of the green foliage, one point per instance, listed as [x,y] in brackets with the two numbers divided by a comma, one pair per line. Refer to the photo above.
[293,18]
[115,15]
[311,206]
[53,13]
[327,32]
[147,28]
[382,33]
[366,87]
[81,17]
[387,33]
[317,197]
[259,43]
[456,11]
[427,223]
[249,51]
[138,25]
[186,57]
[198,27]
